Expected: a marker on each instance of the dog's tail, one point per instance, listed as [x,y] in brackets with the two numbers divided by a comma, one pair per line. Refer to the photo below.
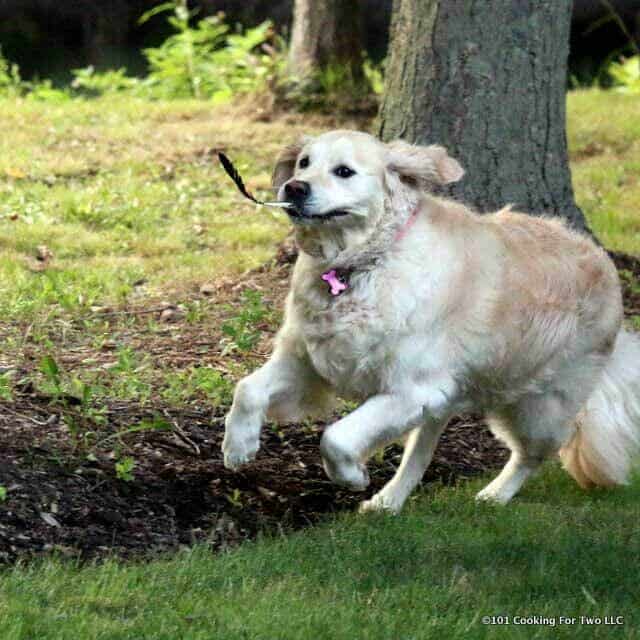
[606,442]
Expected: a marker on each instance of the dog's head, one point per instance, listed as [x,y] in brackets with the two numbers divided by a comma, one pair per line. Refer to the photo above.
[343,178]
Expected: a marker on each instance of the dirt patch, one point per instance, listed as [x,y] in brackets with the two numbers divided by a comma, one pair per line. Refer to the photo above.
[629,267]
[63,496]
[180,492]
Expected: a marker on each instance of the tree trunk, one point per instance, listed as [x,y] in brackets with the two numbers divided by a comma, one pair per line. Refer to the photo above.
[324,34]
[487,80]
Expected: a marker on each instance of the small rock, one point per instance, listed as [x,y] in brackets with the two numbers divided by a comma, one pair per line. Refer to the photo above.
[172,314]
[43,253]
[208,289]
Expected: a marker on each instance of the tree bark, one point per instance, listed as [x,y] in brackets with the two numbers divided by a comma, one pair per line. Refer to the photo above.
[326,33]
[487,80]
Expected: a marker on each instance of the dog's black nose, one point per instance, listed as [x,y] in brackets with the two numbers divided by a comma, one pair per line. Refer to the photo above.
[297,190]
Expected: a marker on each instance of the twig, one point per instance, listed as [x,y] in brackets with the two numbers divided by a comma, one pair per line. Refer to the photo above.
[180,432]
[623,27]
[132,312]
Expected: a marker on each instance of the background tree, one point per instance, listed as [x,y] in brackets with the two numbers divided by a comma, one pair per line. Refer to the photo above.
[488,81]
[326,33]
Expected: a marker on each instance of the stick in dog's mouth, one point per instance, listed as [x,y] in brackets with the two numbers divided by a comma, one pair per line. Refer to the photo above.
[293,211]
[362,257]
[232,172]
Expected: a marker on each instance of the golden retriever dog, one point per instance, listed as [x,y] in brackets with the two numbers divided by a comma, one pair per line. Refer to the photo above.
[421,309]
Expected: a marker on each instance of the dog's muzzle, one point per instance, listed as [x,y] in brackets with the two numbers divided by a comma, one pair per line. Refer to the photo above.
[297,192]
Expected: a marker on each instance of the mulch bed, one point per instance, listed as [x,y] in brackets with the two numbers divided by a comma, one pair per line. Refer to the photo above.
[60,499]
[181,493]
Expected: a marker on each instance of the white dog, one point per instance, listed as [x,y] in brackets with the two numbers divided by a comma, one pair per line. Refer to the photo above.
[423,309]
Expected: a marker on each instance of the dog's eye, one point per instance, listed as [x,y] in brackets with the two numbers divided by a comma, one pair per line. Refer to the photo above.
[343,171]
[304,162]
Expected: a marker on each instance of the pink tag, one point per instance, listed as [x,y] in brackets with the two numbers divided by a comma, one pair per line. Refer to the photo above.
[336,285]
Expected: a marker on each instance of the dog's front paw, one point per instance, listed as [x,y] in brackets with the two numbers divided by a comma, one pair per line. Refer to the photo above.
[340,465]
[491,496]
[352,475]
[238,453]
[380,503]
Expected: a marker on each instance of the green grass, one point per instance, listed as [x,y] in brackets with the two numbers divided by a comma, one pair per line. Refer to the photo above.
[604,144]
[125,192]
[120,190]
[432,572]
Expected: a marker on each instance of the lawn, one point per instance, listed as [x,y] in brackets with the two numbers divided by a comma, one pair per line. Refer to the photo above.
[124,190]
[433,572]
[128,286]
[604,148]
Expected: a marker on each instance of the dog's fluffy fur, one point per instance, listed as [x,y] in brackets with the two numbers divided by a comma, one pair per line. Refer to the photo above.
[513,315]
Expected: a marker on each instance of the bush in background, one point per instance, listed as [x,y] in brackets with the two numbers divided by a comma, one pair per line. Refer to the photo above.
[10,81]
[626,75]
[206,61]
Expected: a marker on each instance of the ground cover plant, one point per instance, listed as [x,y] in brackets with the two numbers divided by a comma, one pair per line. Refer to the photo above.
[136,287]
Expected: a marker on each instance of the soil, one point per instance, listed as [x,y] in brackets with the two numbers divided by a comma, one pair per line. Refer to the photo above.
[65,499]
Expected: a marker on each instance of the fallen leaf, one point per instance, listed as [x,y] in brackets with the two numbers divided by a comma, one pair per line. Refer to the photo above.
[267,493]
[16,173]
[49,519]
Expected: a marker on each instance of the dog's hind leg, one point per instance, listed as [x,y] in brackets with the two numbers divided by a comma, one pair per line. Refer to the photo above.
[418,451]
[510,479]
[536,428]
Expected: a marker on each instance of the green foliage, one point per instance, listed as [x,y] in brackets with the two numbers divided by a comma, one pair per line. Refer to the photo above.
[242,330]
[235,498]
[124,469]
[12,85]
[89,395]
[206,60]
[152,424]
[334,84]
[44,91]
[52,376]
[628,276]
[3,493]
[6,387]
[103,83]
[182,386]
[626,75]
[129,379]
[374,75]
[10,82]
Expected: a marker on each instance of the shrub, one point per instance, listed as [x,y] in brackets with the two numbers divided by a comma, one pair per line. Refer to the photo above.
[105,82]
[206,60]
[626,75]
[11,84]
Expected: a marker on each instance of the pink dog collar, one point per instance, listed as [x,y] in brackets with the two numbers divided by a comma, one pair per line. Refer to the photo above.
[402,232]
[339,283]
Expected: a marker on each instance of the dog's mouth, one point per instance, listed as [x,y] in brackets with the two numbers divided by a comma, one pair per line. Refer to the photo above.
[299,214]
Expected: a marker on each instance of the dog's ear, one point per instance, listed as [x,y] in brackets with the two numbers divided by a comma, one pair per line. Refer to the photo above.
[422,166]
[286,162]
